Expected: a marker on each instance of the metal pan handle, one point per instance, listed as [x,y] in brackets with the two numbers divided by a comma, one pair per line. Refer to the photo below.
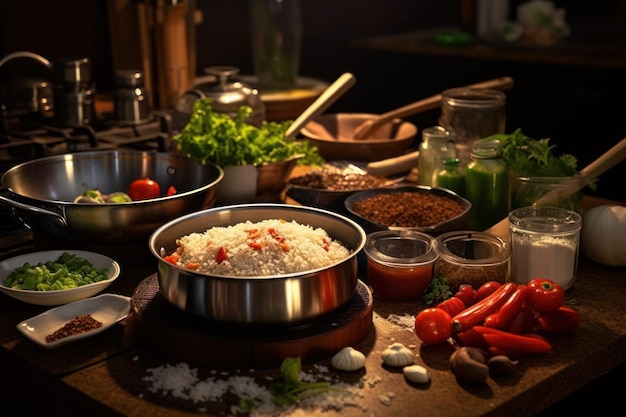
[60,219]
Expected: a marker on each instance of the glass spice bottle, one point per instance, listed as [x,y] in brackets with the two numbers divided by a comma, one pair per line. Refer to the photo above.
[451,176]
[487,185]
[436,145]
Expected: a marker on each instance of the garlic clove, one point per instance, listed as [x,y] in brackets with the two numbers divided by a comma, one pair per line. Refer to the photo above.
[397,355]
[416,373]
[348,359]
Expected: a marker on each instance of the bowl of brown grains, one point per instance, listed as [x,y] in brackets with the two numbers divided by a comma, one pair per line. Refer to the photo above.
[426,209]
[327,187]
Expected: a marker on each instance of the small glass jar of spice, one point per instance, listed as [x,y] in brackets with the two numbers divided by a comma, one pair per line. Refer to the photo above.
[468,257]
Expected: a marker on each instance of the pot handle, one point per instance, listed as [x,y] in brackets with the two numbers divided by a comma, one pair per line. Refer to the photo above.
[60,219]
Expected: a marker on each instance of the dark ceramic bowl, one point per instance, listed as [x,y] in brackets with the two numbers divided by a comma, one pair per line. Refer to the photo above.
[431,210]
[328,187]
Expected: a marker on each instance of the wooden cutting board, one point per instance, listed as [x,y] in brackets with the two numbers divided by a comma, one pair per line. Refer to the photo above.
[193,339]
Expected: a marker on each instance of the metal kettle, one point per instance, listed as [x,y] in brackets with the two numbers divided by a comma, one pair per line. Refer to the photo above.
[227,96]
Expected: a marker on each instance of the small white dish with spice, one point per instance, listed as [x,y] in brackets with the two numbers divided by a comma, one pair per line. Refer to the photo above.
[75,321]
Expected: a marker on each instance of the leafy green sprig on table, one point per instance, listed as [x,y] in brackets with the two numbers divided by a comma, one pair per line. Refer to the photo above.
[290,389]
[437,291]
[215,137]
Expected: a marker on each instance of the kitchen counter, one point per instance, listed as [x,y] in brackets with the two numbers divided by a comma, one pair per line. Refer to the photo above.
[104,375]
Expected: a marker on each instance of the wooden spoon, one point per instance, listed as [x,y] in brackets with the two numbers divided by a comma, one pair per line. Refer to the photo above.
[323,102]
[365,130]
[607,160]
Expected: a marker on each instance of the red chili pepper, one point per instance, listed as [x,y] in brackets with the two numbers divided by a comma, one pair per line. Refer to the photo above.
[221,255]
[487,288]
[523,322]
[471,337]
[477,313]
[517,342]
[564,320]
[171,190]
[467,294]
[452,305]
[511,353]
[511,308]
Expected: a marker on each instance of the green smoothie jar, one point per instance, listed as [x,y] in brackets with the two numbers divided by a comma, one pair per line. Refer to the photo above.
[487,185]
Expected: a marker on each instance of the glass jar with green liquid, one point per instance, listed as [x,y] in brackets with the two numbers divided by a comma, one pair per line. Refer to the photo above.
[487,185]
[451,176]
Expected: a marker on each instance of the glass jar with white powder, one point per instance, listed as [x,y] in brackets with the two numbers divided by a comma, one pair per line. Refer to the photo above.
[544,244]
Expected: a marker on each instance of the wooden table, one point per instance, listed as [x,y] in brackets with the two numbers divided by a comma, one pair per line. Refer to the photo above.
[103,375]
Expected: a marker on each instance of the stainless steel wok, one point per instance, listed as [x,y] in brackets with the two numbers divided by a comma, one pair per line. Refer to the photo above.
[279,300]
[42,192]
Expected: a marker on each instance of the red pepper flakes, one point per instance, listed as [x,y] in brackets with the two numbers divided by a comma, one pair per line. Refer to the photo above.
[78,325]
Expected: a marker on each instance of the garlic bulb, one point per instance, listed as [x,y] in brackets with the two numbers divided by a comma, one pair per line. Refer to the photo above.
[348,359]
[397,355]
[416,373]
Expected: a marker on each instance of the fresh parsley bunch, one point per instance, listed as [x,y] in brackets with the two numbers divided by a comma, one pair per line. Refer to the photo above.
[215,137]
[528,157]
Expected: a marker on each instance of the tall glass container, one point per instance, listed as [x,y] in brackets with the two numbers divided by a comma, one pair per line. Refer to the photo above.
[276,37]
[487,185]
[436,146]
[472,114]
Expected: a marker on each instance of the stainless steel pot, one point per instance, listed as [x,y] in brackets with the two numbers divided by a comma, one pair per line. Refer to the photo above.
[43,190]
[270,300]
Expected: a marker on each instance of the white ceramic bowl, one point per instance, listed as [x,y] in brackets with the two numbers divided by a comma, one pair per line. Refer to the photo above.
[57,297]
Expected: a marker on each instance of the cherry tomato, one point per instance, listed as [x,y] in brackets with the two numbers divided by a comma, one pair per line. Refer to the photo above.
[486,289]
[143,189]
[433,325]
[565,319]
[545,295]
[171,190]
[467,294]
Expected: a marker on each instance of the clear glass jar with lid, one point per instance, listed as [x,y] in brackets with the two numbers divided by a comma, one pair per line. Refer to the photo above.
[487,185]
[473,258]
[436,146]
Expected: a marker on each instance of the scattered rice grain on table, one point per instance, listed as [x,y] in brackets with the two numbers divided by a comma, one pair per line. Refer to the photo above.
[268,247]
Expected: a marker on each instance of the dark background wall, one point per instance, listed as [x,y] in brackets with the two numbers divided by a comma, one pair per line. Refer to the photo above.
[581,108]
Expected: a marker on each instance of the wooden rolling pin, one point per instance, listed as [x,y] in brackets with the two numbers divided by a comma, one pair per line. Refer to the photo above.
[607,160]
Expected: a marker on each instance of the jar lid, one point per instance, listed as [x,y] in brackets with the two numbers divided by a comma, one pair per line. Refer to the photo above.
[436,133]
[403,248]
[487,149]
[472,248]
[545,219]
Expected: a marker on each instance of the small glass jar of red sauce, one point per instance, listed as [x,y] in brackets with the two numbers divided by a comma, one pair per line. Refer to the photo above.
[399,263]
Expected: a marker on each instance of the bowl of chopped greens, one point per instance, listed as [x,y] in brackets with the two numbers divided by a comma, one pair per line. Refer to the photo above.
[56,277]
[257,160]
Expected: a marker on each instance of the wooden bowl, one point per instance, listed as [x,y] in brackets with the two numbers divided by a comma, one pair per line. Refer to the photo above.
[332,134]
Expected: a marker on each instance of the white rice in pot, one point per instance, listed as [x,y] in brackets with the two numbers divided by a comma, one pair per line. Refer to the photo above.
[268,247]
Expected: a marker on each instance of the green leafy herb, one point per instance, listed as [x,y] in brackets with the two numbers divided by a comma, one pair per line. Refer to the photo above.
[218,138]
[437,291]
[528,157]
[291,389]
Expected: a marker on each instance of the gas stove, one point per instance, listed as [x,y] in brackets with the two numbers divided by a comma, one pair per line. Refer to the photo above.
[25,138]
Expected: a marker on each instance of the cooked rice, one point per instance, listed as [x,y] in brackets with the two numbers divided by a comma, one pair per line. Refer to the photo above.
[268,247]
